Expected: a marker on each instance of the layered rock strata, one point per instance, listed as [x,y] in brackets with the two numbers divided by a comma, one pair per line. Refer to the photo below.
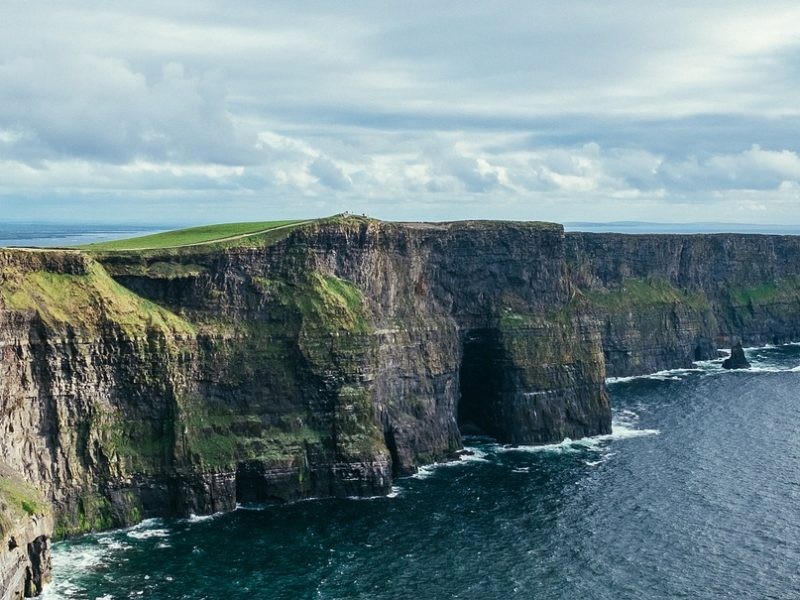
[329,358]
[320,362]
[665,301]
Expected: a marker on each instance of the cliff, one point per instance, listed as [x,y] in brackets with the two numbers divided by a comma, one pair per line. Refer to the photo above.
[320,361]
[666,300]
[327,358]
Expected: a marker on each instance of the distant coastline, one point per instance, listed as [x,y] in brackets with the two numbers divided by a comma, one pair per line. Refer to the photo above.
[701,227]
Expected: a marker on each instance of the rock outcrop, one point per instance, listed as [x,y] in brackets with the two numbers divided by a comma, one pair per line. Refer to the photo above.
[26,526]
[737,359]
[329,358]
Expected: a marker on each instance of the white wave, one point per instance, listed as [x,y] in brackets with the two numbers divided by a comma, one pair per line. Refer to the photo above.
[153,523]
[113,544]
[146,534]
[366,497]
[714,366]
[193,518]
[252,506]
[623,414]
[474,455]
[78,558]
[603,459]
[73,559]
[666,375]
[621,429]
[768,369]
[393,493]
[567,445]
[425,471]
[755,348]
[150,533]
[60,589]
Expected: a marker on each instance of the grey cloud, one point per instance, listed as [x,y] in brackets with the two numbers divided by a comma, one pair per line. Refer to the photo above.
[522,107]
[102,110]
[329,174]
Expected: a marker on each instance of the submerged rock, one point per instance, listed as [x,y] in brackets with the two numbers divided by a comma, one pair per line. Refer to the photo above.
[737,359]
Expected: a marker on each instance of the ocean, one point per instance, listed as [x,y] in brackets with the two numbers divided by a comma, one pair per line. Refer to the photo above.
[695,494]
[60,235]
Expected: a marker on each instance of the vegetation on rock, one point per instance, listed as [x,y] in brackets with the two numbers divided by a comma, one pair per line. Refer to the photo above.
[207,234]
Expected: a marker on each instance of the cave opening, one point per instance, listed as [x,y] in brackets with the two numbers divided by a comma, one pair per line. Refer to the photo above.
[482,382]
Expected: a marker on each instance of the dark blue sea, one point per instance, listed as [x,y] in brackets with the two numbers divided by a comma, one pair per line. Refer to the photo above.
[696,494]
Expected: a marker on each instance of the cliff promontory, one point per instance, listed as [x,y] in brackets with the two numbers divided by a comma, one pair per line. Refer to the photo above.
[328,357]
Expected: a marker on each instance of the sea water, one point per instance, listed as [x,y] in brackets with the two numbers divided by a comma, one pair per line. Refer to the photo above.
[695,494]
[61,235]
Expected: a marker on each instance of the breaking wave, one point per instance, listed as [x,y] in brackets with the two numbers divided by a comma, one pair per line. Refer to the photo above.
[759,357]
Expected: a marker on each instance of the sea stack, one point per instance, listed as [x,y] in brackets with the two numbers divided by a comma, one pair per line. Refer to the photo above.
[737,359]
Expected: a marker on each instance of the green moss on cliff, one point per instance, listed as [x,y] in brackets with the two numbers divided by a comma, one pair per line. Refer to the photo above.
[554,338]
[20,497]
[86,302]
[355,432]
[775,292]
[94,513]
[637,293]
[18,500]
[322,302]
[136,446]
[160,269]
[218,438]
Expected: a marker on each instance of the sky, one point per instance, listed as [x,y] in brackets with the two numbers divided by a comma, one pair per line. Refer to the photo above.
[248,110]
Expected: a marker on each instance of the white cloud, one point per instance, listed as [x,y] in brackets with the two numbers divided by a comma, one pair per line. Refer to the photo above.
[539,110]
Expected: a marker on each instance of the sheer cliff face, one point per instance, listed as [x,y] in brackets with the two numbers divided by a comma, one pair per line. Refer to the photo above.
[325,360]
[321,363]
[666,300]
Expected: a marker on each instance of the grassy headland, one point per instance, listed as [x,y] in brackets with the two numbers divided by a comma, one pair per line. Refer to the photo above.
[207,234]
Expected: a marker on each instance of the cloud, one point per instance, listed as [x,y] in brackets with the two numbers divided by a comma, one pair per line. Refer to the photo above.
[329,174]
[527,110]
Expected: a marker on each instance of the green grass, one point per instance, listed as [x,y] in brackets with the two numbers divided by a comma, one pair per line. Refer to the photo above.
[206,234]
[324,302]
[780,290]
[18,500]
[639,293]
[85,300]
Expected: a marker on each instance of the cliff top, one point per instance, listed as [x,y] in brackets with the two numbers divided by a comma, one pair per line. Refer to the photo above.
[258,233]
[251,234]
[194,236]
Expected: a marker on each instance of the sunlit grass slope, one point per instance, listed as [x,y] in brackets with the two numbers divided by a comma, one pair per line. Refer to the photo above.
[206,234]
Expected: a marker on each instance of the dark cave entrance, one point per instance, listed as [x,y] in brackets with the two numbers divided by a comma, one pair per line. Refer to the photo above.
[482,383]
